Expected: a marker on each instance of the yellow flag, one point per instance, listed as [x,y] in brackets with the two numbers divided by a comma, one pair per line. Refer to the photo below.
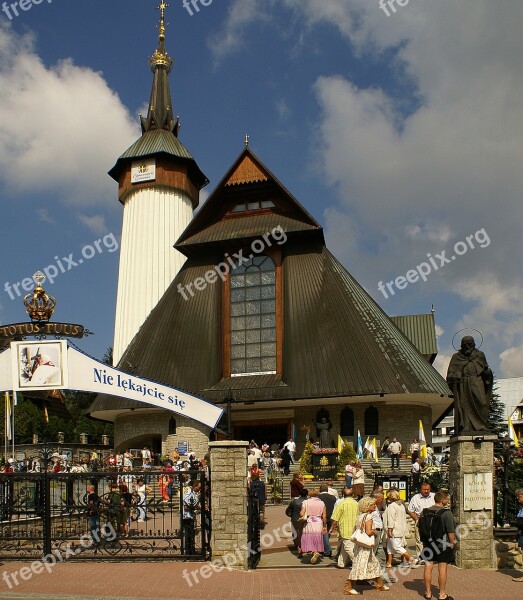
[512,433]
[7,416]
[340,443]
[376,459]
[422,441]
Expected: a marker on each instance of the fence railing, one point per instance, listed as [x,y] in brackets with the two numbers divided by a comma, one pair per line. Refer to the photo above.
[105,515]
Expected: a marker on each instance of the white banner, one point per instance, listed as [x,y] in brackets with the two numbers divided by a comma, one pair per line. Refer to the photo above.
[5,371]
[86,374]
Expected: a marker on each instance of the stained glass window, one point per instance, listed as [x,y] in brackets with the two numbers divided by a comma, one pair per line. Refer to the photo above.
[253,317]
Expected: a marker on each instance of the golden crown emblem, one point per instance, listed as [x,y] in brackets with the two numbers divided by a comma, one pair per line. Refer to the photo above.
[39,306]
[324,461]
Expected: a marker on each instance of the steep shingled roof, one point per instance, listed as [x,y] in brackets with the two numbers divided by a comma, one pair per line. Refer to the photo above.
[337,341]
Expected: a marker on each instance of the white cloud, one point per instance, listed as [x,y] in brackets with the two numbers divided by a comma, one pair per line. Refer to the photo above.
[511,362]
[95,223]
[413,184]
[45,217]
[73,126]
[441,364]
[241,14]
[282,109]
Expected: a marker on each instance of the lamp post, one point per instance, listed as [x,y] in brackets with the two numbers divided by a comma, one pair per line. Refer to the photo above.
[507,455]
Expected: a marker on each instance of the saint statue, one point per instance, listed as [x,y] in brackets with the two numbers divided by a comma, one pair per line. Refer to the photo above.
[470,381]
[323,428]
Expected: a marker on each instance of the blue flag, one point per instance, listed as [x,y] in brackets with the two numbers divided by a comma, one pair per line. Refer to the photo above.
[360,446]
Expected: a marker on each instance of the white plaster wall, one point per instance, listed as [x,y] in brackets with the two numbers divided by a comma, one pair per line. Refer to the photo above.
[153,219]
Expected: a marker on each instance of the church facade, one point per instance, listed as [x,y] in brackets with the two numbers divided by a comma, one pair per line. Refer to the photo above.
[254,313]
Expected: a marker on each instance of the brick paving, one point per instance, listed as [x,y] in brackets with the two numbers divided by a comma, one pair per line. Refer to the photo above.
[282,577]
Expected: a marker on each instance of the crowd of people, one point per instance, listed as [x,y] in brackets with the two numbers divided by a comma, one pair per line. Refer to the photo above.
[372,531]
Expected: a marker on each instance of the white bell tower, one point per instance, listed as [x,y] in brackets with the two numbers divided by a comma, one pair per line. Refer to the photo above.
[159,184]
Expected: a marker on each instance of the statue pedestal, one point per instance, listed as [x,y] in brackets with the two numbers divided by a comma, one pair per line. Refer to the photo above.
[471,470]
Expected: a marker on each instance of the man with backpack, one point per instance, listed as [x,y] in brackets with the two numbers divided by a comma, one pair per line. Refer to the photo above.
[437,532]
[418,502]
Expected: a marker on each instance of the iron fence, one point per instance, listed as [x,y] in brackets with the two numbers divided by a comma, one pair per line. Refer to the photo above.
[138,515]
[253,533]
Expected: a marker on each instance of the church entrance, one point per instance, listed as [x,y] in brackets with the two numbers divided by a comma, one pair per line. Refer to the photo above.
[268,432]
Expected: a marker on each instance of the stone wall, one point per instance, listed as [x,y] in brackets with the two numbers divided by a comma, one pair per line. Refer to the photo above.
[475,549]
[401,421]
[152,423]
[229,501]
[508,555]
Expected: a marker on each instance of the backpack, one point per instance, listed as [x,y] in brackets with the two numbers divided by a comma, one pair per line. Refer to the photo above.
[430,525]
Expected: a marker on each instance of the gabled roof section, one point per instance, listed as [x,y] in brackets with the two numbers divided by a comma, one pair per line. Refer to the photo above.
[248,180]
[421,331]
[247,172]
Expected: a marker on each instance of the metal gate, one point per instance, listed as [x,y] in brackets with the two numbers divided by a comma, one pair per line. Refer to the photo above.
[139,515]
[253,533]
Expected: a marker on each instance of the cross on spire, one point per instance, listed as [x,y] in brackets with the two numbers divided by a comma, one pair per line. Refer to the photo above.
[161,8]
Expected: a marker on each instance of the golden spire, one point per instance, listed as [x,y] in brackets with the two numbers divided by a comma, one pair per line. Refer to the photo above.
[162,8]
[160,58]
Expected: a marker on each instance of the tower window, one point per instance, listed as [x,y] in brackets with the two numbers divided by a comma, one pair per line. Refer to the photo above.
[253,317]
[255,205]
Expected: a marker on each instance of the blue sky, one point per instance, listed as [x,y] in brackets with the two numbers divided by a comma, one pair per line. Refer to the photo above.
[401,134]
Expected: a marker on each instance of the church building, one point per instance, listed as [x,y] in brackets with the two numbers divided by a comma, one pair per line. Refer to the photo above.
[244,305]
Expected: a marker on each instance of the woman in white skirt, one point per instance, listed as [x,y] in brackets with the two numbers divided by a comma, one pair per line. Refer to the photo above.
[365,565]
[395,524]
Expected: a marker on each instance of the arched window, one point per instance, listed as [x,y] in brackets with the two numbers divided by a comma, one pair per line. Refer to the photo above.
[347,422]
[371,421]
[253,317]
[172,426]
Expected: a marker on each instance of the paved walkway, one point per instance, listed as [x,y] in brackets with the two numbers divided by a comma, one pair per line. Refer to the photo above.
[82,581]
[281,577]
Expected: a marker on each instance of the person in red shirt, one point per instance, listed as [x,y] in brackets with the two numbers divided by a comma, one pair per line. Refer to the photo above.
[296,485]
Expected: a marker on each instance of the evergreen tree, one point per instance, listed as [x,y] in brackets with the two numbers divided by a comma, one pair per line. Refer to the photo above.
[346,455]
[496,420]
[306,459]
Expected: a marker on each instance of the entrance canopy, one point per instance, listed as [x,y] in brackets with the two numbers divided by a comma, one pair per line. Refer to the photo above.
[54,365]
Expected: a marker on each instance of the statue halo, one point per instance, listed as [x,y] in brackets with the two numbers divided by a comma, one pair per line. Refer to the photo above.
[467,329]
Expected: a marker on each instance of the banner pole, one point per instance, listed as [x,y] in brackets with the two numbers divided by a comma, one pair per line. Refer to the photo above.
[13,424]
[6,417]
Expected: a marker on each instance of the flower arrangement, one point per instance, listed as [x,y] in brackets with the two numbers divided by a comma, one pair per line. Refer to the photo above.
[436,476]
[325,451]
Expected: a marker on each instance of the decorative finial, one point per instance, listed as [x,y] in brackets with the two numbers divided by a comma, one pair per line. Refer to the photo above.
[246,140]
[39,305]
[160,58]
[432,309]
[162,8]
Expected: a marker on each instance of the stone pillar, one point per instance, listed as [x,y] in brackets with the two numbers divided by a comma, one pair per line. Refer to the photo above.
[105,440]
[471,470]
[229,500]
[84,438]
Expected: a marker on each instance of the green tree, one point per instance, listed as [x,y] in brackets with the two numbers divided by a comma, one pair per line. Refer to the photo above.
[306,459]
[496,419]
[346,455]
[29,419]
